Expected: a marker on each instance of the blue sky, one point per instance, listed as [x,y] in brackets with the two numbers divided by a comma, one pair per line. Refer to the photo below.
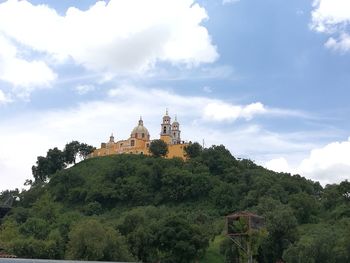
[268,79]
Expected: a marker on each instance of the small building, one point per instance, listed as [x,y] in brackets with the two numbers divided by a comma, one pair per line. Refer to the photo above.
[240,223]
[139,140]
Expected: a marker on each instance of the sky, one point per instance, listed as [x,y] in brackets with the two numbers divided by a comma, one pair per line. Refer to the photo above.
[267,79]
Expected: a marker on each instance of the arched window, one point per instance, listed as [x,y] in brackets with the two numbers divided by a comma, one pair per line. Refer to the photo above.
[132,143]
[164,130]
[143,135]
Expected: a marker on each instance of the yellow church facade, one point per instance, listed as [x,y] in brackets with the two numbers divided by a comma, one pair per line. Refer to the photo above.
[139,141]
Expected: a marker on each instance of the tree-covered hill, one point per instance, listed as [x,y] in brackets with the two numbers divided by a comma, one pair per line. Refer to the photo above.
[142,208]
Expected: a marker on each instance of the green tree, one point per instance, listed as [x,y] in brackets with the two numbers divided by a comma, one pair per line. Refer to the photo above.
[180,241]
[29,248]
[305,207]
[158,148]
[85,150]
[71,151]
[218,159]
[176,185]
[40,171]
[281,225]
[46,166]
[317,245]
[193,150]
[225,197]
[139,226]
[35,227]
[93,208]
[91,240]
[230,251]
[56,160]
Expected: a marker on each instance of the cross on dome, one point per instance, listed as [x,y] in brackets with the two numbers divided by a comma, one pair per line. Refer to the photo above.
[140,121]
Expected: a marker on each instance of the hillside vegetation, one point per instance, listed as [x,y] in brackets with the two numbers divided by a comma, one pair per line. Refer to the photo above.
[141,208]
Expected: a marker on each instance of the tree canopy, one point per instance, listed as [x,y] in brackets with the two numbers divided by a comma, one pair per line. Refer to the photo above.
[139,208]
[158,148]
[57,160]
[193,150]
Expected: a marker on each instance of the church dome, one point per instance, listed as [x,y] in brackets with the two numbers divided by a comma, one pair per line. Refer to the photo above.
[140,131]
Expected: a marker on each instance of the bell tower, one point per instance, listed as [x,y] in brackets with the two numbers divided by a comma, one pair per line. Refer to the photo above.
[111,138]
[175,132]
[165,131]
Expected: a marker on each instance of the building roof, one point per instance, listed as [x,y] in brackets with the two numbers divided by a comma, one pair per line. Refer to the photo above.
[139,130]
[243,214]
[176,122]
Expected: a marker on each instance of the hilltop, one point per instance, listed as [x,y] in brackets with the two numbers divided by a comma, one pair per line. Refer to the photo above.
[142,208]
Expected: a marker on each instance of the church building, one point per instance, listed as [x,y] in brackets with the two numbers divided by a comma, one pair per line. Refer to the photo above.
[139,141]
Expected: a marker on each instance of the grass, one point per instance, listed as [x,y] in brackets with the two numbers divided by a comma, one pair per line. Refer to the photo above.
[213,252]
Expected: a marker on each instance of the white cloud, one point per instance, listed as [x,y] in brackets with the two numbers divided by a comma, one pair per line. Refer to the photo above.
[4,98]
[201,73]
[278,165]
[327,164]
[341,44]
[330,163]
[117,36]
[24,75]
[332,17]
[328,15]
[93,122]
[83,89]
[211,109]
[220,111]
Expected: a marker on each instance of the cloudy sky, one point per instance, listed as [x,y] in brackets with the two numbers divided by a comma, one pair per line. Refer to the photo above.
[268,79]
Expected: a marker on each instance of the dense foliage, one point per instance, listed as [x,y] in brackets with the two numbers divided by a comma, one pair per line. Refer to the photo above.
[56,160]
[141,208]
[158,148]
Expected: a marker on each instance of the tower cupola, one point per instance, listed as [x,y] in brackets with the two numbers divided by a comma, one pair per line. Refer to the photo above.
[111,138]
[175,125]
[175,132]
[166,125]
[166,118]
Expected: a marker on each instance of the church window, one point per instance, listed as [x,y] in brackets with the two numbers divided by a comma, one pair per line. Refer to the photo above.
[143,135]
[132,143]
[147,145]
[164,130]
